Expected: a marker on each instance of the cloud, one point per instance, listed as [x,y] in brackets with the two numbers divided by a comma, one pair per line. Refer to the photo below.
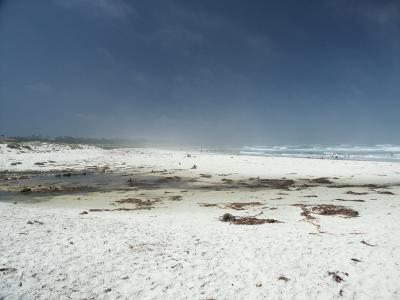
[114,9]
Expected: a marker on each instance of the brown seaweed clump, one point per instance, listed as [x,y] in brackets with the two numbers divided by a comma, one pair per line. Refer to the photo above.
[253,221]
[240,206]
[333,210]
[386,193]
[139,203]
[321,180]
[356,193]
[246,220]
[232,205]
[136,201]
[326,210]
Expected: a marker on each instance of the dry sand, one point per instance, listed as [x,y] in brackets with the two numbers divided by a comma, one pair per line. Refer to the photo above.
[167,241]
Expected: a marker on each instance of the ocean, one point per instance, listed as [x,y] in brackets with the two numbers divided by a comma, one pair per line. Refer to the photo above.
[359,152]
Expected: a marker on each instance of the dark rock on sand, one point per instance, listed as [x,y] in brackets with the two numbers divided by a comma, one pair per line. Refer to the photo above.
[227,217]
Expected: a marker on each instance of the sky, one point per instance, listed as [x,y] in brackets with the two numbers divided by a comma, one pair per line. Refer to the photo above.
[215,72]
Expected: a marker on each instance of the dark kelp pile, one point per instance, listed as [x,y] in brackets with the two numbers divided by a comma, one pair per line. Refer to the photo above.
[251,220]
[326,210]
[233,205]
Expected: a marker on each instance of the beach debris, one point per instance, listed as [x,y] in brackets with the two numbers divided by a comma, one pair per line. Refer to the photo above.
[116,209]
[69,174]
[350,200]
[275,183]
[158,182]
[14,146]
[326,210]
[368,185]
[176,198]
[209,205]
[227,217]
[34,222]
[385,193]
[283,278]
[194,167]
[304,186]
[322,180]
[26,190]
[306,212]
[54,189]
[356,193]
[7,270]
[84,212]
[233,205]
[252,220]
[335,276]
[255,183]
[134,201]
[205,175]
[259,284]
[16,163]
[241,205]
[368,244]
[356,260]
[227,180]
[310,196]
[140,204]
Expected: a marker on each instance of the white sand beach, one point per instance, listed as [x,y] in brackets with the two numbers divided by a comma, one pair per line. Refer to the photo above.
[157,233]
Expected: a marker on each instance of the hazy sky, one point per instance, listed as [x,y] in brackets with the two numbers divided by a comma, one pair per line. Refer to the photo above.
[234,72]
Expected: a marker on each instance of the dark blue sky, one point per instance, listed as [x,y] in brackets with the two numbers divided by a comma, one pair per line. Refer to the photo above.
[237,72]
